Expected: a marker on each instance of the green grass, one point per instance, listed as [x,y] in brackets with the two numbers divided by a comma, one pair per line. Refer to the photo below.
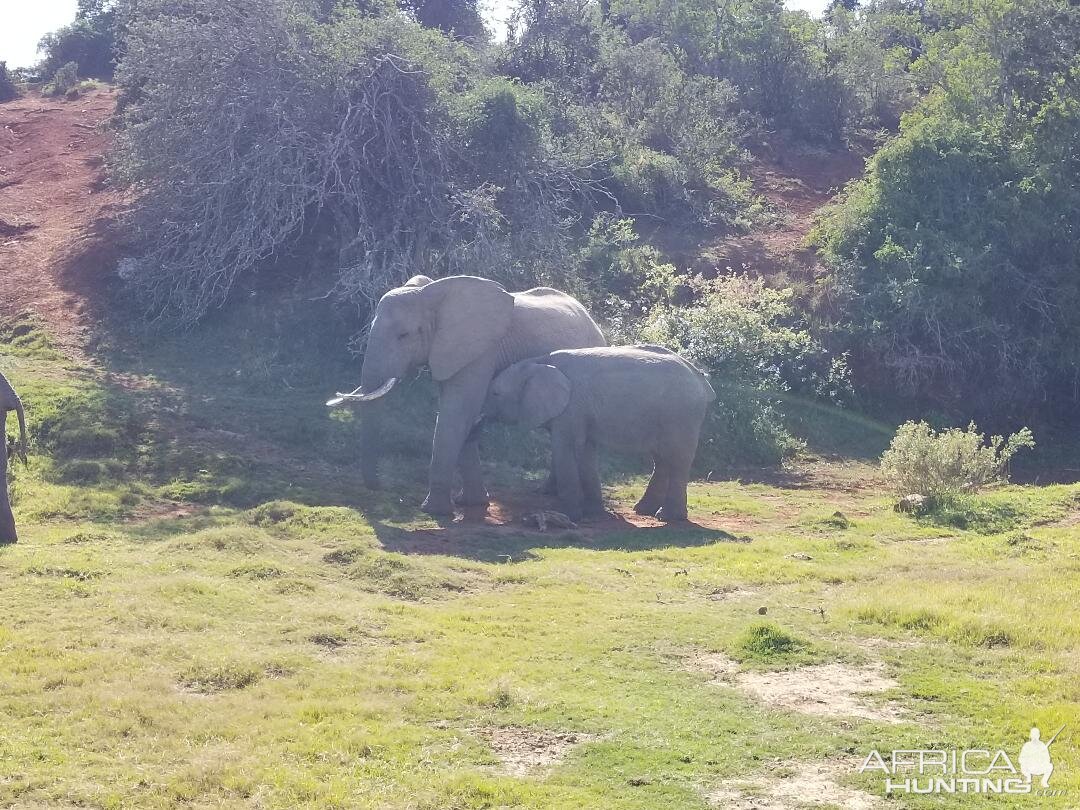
[205,609]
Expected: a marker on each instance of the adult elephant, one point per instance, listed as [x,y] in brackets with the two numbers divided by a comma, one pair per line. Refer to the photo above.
[465,329]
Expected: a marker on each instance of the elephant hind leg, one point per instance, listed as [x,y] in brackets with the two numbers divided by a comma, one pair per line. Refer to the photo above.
[7,520]
[656,492]
[591,488]
[681,458]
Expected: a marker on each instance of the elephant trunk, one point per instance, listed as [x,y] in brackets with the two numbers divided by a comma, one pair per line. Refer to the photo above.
[371,429]
[22,428]
[372,389]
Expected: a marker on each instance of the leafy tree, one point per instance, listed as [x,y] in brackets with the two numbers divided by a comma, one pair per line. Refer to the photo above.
[8,90]
[460,18]
[89,41]
[559,43]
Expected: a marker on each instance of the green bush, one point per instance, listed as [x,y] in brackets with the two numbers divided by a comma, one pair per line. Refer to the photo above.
[64,79]
[89,471]
[943,465]
[622,277]
[8,90]
[767,642]
[758,353]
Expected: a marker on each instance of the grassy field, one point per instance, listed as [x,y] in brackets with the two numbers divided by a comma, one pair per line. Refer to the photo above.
[205,609]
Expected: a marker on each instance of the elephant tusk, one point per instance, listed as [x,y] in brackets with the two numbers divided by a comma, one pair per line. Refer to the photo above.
[357,396]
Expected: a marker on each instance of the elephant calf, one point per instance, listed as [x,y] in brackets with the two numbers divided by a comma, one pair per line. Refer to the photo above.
[638,398]
[9,401]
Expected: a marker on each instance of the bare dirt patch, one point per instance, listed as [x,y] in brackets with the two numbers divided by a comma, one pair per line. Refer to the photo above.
[809,784]
[499,532]
[716,664]
[617,517]
[53,247]
[526,751]
[796,181]
[1069,521]
[832,690]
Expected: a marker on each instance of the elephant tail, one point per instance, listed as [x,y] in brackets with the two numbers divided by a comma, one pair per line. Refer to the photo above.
[706,386]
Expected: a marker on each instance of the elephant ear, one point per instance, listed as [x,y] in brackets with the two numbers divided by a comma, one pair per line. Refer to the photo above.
[417,281]
[546,394]
[470,315]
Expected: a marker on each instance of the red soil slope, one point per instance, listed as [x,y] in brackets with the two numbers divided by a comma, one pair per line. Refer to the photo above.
[795,180]
[54,208]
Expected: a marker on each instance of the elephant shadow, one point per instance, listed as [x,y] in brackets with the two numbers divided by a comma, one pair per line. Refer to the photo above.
[498,534]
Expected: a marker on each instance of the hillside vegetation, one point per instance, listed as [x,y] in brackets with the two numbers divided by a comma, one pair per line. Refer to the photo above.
[610,148]
[206,608]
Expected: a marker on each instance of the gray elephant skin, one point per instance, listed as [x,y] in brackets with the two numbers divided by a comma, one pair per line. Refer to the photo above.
[465,329]
[637,398]
[9,401]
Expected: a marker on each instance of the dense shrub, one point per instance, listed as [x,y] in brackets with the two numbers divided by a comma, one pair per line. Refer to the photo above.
[960,247]
[8,90]
[620,277]
[64,80]
[670,140]
[256,125]
[459,18]
[757,353]
[874,48]
[942,465]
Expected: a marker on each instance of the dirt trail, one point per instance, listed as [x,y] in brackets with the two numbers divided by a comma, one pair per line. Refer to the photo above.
[53,208]
[796,181]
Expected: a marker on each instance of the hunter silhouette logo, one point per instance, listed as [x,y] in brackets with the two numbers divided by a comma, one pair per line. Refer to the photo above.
[1035,757]
[974,770]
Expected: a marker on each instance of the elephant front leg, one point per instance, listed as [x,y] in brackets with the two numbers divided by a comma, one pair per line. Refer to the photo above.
[473,491]
[460,403]
[564,455]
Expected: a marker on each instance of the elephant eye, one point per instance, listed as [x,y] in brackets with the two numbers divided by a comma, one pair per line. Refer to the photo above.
[402,335]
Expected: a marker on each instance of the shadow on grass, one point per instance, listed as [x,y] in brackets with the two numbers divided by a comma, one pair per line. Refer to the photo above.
[832,431]
[981,515]
[494,542]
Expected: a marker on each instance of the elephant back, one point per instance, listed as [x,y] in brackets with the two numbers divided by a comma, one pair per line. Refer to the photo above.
[547,320]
